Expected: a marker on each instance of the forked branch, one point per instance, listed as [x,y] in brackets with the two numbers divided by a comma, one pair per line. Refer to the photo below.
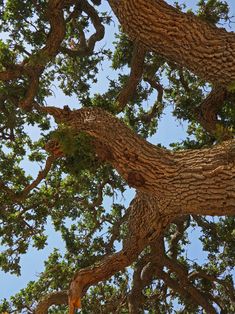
[144,225]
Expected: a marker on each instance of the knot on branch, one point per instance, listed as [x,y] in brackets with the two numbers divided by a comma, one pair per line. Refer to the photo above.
[130,156]
[135,179]
[53,147]
[103,151]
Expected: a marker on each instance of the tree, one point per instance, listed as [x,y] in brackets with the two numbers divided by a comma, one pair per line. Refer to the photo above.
[100,149]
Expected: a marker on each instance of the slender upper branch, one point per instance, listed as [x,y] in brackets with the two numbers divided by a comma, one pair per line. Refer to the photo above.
[208,110]
[86,47]
[25,192]
[137,67]
[54,298]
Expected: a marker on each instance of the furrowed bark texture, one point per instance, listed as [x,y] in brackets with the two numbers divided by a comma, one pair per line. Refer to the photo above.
[168,184]
[186,182]
[145,224]
[183,38]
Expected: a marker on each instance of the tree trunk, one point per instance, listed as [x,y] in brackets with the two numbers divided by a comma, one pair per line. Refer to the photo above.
[183,38]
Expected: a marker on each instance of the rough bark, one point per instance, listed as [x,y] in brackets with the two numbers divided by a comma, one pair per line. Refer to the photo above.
[188,182]
[152,266]
[182,38]
[145,224]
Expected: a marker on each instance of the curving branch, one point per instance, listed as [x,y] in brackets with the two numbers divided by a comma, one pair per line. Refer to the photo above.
[227,285]
[182,223]
[11,74]
[206,225]
[207,112]
[144,225]
[34,64]
[182,274]
[137,67]
[152,266]
[182,38]
[54,298]
[191,182]
[157,108]
[20,196]
[86,47]
[136,297]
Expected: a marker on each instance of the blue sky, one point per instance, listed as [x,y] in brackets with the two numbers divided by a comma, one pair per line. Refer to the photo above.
[169,130]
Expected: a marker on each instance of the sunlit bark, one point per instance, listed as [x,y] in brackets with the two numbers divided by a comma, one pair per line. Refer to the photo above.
[188,182]
[183,38]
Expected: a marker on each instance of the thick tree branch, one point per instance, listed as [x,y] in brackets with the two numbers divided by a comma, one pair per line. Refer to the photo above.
[180,37]
[189,182]
[144,225]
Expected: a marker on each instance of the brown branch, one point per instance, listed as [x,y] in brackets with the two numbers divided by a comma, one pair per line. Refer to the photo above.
[183,81]
[179,288]
[182,223]
[202,274]
[41,175]
[207,112]
[143,208]
[182,274]
[151,267]
[24,193]
[99,272]
[86,47]
[54,298]
[206,225]
[157,108]
[34,64]
[26,102]
[204,179]
[57,31]
[137,67]
[10,74]
[115,231]
[154,264]
[136,297]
